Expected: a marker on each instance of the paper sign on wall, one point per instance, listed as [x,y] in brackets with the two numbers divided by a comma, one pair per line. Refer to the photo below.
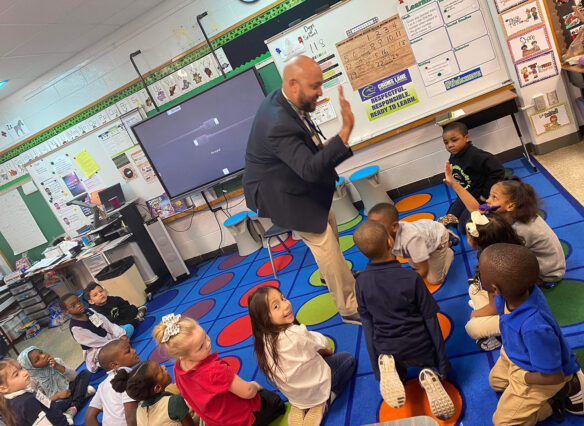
[552,119]
[522,17]
[536,69]
[388,95]
[86,163]
[528,44]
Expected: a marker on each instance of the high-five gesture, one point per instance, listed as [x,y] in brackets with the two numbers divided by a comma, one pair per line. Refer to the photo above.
[347,117]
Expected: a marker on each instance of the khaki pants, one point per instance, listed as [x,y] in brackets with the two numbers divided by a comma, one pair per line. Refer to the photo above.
[520,404]
[333,266]
[439,261]
[479,327]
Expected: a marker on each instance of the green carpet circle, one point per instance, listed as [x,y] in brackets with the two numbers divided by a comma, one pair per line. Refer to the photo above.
[350,224]
[314,279]
[566,248]
[346,242]
[331,343]
[317,310]
[566,301]
[508,172]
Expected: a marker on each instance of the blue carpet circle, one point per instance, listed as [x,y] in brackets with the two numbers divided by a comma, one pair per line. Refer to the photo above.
[162,300]
[143,327]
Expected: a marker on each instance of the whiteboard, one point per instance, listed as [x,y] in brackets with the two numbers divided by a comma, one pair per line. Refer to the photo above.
[17,224]
[103,157]
[396,61]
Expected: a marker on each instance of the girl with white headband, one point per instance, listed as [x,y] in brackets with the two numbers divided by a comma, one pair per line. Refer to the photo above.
[208,383]
[482,230]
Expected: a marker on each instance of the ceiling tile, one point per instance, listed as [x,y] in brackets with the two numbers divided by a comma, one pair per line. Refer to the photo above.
[37,11]
[132,11]
[13,35]
[12,87]
[56,39]
[94,12]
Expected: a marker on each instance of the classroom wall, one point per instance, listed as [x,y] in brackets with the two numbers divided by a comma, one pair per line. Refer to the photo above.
[403,159]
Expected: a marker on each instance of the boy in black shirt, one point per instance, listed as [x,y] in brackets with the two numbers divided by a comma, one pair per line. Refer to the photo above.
[114,308]
[400,324]
[474,169]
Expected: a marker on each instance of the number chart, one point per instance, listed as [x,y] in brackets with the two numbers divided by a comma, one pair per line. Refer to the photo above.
[376,52]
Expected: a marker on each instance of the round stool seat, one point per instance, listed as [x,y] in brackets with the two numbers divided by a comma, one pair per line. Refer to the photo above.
[364,173]
[246,237]
[366,182]
[235,219]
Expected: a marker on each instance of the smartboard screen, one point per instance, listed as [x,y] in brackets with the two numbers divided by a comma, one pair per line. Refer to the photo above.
[203,139]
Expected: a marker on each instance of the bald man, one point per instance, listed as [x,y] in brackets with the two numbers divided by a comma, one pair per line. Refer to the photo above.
[290,173]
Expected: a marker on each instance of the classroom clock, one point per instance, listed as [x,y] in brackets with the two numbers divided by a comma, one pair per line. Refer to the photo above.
[248,1]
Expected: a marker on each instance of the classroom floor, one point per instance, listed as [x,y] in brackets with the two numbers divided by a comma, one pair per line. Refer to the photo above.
[216,298]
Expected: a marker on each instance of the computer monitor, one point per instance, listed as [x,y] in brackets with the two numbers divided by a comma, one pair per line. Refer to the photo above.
[105,195]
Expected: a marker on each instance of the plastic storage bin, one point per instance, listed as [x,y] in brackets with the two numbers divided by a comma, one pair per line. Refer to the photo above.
[30,301]
[33,308]
[123,279]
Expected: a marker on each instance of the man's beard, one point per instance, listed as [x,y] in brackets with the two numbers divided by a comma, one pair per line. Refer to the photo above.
[305,103]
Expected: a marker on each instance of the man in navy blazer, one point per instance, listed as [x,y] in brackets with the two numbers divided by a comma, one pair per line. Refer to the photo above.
[290,173]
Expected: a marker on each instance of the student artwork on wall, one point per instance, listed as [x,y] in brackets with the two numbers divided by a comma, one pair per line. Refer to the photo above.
[529,44]
[521,18]
[536,69]
[551,119]
[503,5]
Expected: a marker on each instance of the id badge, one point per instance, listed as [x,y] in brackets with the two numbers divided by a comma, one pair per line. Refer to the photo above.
[95,320]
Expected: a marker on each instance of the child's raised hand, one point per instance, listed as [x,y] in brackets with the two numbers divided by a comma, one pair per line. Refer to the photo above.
[448,178]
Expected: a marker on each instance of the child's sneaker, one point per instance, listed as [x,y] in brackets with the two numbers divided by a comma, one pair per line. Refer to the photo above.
[488,344]
[441,405]
[70,414]
[453,239]
[575,395]
[314,415]
[448,219]
[391,387]
[295,416]
[90,391]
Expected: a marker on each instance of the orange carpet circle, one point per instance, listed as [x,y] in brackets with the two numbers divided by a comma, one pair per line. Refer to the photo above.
[412,202]
[417,404]
[417,216]
[445,325]
[431,287]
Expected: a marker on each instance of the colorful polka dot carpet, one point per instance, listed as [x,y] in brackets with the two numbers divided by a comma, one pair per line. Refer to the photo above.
[217,299]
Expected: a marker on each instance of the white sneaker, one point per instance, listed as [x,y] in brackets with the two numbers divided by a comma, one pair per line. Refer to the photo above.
[391,387]
[90,391]
[441,405]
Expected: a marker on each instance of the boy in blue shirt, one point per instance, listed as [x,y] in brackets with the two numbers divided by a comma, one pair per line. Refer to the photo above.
[399,323]
[536,371]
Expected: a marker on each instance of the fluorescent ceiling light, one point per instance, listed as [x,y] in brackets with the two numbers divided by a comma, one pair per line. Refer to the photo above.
[3,82]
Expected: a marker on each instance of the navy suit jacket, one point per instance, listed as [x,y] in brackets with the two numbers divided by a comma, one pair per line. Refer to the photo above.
[287,177]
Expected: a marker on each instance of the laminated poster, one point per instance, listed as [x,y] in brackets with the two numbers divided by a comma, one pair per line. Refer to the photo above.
[388,95]
[522,17]
[536,69]
[551,119]
[528,44]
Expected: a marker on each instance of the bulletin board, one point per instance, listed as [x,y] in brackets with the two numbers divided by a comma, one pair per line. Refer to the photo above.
[396,61]
[103,157]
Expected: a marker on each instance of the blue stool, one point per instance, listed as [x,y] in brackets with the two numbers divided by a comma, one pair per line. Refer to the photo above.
[366,182]
[343,206]
[246,237]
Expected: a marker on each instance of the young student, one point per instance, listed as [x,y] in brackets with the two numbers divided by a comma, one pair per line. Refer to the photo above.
[425,243]
[483,230]
[66,389]
[114,308]
[18,406]
[516,202]
[474,169]
[208,384]
[399,323]
[119,409]
[299,362]
[536,370]
[90,329]
[146,383]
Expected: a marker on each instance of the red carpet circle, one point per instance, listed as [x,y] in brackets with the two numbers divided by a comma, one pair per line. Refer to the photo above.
[231,261]
[217,283]
[280,262]
[235,332]
[233,362]
[290,242]
[243,300]
[199,309]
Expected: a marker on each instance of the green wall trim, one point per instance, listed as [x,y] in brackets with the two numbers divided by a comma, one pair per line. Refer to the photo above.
[14,182]
[247,26]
